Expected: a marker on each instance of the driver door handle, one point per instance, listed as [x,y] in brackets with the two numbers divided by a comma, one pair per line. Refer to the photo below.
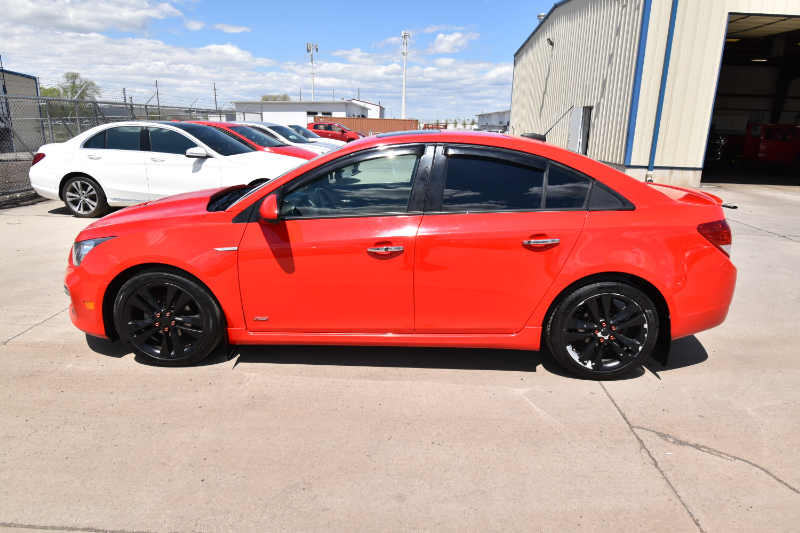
[385,249]
[157,160]
[94,156]
[539,242]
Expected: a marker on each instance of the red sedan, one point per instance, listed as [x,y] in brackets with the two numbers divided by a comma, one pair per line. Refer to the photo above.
[431,238]
[258,140]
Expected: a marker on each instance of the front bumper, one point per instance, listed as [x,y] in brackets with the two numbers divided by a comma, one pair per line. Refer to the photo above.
[86,301]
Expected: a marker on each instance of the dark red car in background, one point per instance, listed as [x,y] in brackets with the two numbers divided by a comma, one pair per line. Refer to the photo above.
[334,130]
[766,143]
[258,140]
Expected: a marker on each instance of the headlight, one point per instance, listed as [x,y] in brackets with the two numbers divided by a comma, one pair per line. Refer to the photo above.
[80,249]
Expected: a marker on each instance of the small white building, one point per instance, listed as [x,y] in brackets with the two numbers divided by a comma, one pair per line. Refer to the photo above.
[297,112]
[375,110]
[494,121]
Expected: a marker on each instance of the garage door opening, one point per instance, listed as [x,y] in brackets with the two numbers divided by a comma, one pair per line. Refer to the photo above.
[755,126]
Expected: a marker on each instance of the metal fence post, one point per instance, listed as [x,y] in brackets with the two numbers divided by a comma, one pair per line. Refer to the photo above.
[49,121]
[78,116]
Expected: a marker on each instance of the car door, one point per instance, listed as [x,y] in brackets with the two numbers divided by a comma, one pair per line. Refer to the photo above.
[498,227]
[114,158]
[323,130]
[338,133]
[170,172]
[341,260]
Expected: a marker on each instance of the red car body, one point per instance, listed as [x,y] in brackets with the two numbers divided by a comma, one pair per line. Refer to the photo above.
[767,143]
[283,149]
[334,130]
[462,279]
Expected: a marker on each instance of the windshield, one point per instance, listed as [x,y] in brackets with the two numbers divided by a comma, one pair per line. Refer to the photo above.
[216,140]
[305,132]
[289,133]
[258,137]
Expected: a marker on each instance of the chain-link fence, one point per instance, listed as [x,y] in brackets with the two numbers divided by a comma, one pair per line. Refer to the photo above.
[28,122]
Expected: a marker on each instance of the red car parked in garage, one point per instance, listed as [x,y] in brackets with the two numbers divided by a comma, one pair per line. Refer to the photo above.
[334,130]
[258,140]
[458,239]
[767,143]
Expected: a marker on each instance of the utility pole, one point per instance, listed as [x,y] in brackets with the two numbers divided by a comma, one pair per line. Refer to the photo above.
[216,107]
[405,35]
[311,48]
[158,101]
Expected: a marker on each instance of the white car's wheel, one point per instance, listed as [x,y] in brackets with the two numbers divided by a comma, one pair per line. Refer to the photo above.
[84,197]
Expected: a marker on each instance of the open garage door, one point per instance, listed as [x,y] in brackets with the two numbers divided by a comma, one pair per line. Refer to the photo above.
[755,127]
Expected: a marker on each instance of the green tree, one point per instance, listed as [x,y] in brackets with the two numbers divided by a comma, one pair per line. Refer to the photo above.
[72,85]
[276,98]
[464,123]
[55,92]
[472,123]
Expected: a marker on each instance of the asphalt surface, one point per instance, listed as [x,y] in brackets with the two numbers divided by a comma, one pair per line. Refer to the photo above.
[392,439]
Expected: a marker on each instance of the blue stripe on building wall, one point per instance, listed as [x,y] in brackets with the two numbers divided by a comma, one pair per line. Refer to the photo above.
[637,80]
[663,88]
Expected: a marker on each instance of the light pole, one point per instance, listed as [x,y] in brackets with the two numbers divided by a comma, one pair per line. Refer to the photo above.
[405,35]
[311,48]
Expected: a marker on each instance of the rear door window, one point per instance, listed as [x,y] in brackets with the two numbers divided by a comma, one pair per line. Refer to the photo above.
[97,141]
[565,189]
[476,184]
[123,138]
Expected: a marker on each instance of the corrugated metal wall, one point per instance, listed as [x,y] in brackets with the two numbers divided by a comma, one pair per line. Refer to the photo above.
[591,63]
[691,84]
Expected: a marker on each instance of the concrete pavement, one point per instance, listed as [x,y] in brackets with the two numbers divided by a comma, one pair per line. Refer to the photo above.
[295,438]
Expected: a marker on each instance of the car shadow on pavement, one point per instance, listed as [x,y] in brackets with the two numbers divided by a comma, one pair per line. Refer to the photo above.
[64,211]
[684,352]
[107,347]
[403,357]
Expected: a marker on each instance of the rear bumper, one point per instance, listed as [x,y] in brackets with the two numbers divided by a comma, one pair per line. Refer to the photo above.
[86,301]
[700,300]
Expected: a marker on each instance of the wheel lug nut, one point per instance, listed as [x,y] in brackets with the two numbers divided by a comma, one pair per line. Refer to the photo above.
[157,324]
[603,324]
[166,329]
[611,337]
[601,339]
[173,322]
[596,332]
[613,328]
[158,314]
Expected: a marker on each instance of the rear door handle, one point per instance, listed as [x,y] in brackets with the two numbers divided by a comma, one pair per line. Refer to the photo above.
[156,160]
[385,249]
[94,156]
[540,242]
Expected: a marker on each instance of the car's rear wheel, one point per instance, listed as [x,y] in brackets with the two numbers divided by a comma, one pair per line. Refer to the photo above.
[167,317]
[603,330]
[84,197]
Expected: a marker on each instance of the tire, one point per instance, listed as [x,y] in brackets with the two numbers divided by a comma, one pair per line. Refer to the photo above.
[84,197]
[603,330]
[167,317]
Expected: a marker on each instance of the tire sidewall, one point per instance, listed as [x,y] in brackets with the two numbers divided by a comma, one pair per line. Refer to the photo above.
[102,202]
[212,315]
[562,312]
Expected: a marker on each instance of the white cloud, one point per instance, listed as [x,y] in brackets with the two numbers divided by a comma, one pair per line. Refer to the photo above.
[391,41]
[227,28]
[195,25]
[86,15]
[434,29]
[450,43]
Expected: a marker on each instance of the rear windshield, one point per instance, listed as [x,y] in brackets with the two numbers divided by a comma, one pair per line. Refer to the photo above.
[216,140]
[305,132]
[257,137]
[290,134]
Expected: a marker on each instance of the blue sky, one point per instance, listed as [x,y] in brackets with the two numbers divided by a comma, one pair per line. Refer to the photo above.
[460,61]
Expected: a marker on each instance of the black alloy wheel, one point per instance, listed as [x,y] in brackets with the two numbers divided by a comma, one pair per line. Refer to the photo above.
[84,197]
[167,317]
[603,330]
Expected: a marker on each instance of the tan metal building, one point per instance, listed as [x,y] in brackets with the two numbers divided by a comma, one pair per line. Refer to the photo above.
[638,84]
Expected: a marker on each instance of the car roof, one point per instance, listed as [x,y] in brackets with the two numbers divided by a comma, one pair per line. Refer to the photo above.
[268,124]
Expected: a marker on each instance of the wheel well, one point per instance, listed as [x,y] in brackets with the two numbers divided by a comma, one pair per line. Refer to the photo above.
[665,325]
[116,284]
[67,178]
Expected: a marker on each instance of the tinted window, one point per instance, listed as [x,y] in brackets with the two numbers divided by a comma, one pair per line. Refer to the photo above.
[257,136]
[289,133]
[98,141]
[485,184]
[123,138]
[565,189]
[305,132]
[169,142]
[218,141]
[377,186]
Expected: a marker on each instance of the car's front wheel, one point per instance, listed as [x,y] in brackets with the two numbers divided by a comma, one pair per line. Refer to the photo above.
[167,317]
[84,197]
[603,330]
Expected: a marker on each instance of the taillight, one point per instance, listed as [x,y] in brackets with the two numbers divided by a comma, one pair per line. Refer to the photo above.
[37,158]
[719,233]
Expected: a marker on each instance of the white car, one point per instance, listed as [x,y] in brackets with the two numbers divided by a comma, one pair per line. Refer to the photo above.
[127,163]
[314,138]
[287,135]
